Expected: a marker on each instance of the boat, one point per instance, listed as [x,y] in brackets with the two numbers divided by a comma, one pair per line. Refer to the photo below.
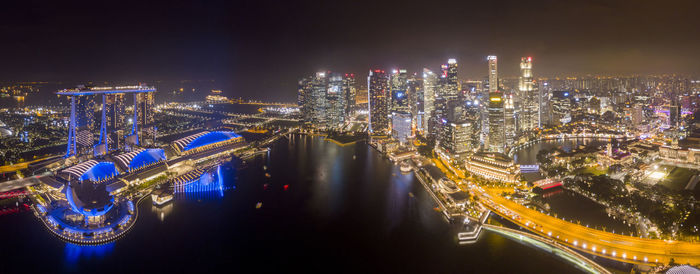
[405,167]
[161,197]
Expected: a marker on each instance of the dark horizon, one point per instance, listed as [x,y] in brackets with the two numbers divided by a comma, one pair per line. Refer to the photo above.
[260,49]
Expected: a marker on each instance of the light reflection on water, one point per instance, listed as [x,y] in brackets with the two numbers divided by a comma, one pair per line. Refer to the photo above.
[528,155]
[162,211]
[365,198]
[74,253]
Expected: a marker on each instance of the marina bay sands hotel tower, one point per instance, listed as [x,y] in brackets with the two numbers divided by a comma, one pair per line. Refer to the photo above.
[113,131]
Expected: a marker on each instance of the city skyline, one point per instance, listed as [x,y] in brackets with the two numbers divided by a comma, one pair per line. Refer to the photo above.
[229,42]
[368,136]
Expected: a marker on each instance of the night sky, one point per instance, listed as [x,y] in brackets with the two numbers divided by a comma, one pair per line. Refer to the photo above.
[260,48]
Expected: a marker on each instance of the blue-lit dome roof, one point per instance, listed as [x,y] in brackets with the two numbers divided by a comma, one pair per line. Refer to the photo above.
[92,170]
[140,158]
[204,138]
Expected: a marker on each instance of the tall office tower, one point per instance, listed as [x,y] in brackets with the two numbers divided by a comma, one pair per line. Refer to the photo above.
[318,104]
[415,94]
[115,120]
[448,84]
[529,115]
[335,101]
[674,114]
[429,89]
[304,98]
[416,99]
[509,118]
[493,74]
[637,115]
[484,107]
[378,95]
[561,107]
[350,91]
[491,87]
[452,83]
[455,110]
[84,124]
[455,137]
[473,115]
[442,90]
[496,135]
[401,126]
[544,95]
[146,118]
[399,88]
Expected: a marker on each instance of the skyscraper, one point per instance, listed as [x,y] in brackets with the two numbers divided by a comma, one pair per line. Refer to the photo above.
[456,137]
[84,123]
[116,123]
[429,90]
[81,131]
[319,84]
[452,82]
[529,115]
[350,91]
[401,126]
[416,98]
[147,131]
[509,118]
[324,98]
[545,92]
[378,95]
[561,107]
[493,73]
[399,89]
[304,97]
[448,84]
[335,100]
[496,136]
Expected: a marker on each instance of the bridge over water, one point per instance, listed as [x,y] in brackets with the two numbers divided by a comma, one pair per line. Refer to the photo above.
[636,250]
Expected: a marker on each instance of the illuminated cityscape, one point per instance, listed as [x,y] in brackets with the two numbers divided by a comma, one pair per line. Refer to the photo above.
[488,137]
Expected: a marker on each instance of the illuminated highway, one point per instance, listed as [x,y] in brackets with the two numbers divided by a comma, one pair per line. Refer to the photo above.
[600,243]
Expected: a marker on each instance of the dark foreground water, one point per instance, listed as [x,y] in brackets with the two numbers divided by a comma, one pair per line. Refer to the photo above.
[338,214]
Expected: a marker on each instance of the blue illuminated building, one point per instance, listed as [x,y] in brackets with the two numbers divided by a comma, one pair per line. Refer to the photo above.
[205,140]
[92,170]
[140,158]
[80,135]
[92,207]
[209,184]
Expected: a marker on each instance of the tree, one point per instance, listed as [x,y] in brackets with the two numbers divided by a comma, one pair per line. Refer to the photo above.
[543,157]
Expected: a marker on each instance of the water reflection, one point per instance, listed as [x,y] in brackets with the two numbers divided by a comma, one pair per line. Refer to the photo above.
[162,211]
[73,252]
[528,155]
[329,176]
[397,200]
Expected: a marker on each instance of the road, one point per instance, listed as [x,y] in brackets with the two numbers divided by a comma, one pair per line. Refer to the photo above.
[19,183]
[550,246]
[600,243]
